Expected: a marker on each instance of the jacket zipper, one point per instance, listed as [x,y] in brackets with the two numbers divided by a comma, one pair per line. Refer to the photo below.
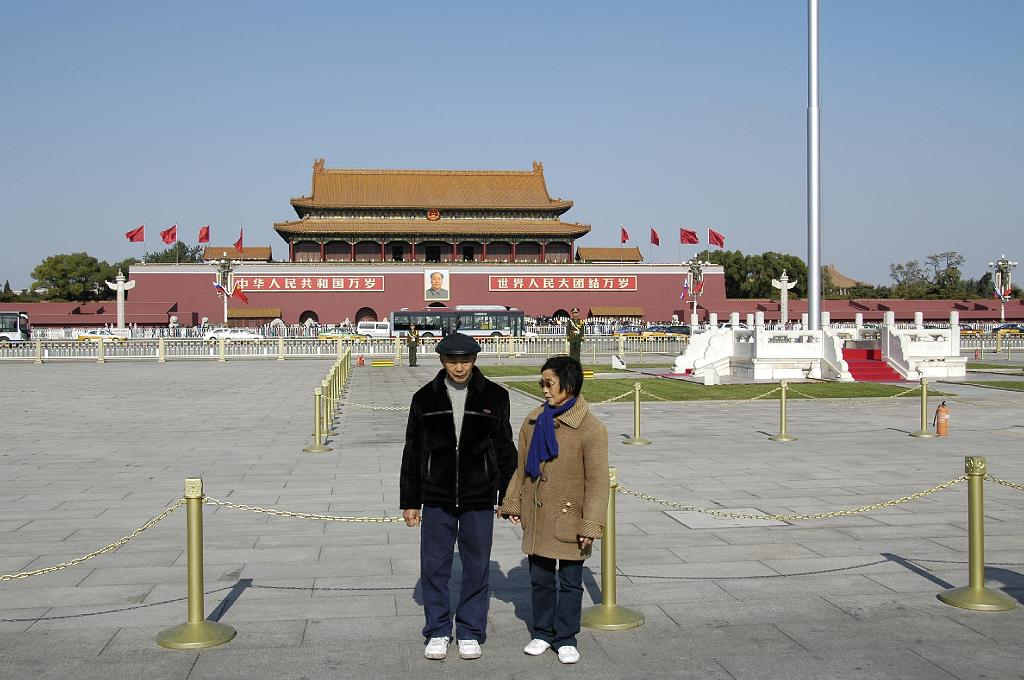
[457,447]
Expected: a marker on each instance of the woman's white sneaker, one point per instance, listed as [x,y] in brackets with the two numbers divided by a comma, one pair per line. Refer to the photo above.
[437,648]
[537,647]
[568,654]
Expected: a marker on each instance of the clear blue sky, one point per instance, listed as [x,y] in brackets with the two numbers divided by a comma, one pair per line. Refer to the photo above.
[661,114]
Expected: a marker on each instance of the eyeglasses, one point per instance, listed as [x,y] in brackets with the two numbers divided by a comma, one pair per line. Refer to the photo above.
[550,384]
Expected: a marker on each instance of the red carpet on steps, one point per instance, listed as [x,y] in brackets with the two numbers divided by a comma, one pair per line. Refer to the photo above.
[866,365]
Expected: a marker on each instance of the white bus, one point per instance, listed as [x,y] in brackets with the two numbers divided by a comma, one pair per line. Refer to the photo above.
[474,320]
[14,327]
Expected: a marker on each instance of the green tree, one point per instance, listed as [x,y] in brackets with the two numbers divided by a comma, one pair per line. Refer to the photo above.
[78,276]
[179,252]
[8,294]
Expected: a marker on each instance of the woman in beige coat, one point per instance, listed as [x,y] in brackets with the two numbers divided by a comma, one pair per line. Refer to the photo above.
[560,495]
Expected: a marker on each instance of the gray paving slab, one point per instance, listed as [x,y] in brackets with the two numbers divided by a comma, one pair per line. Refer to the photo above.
[850,597]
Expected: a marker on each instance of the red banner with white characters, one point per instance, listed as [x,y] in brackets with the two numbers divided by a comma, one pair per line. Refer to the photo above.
[311,284]
[556,283]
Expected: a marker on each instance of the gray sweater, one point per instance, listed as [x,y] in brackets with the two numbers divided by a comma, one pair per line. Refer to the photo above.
[457,393]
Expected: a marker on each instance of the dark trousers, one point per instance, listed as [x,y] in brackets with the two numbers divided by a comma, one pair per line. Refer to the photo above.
[441,528]
[574,349]
[556,612]
[412,355]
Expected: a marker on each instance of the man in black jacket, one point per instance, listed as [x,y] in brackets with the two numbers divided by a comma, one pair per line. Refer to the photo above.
[459,457]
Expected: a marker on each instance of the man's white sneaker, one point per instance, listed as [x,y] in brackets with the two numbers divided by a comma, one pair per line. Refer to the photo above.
[536,647]
[568,654]
[469,649]
[437,648]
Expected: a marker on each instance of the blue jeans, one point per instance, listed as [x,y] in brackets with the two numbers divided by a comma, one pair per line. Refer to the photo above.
[474,530]
[556,612]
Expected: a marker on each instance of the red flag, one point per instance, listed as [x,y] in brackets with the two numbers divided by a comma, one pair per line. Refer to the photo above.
[625,235]
[204,234]
[238,243]
[170,235]
[237,293]
[698,288]
[655,241]
[137,235]
[687,236]
[715,239]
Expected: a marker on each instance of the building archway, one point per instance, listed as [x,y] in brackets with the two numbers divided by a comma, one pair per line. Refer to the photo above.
[366,314]
[306,251]
[309,315]
[438,304]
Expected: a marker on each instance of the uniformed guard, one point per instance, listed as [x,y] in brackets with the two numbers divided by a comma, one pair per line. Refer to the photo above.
[413,342]
[575,330]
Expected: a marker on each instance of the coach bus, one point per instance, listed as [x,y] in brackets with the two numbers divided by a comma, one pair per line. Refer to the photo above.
[14,327]
[475,320]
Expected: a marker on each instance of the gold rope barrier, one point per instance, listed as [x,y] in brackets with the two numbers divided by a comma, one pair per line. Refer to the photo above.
[197,632]
[95,553]
[300,515]
[975,595]
[636,439]
[609,615]
[724,514]
[924,432]
[782,436]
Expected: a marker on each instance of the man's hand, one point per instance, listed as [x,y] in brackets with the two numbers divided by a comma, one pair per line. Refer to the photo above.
[584,542]
[411,517]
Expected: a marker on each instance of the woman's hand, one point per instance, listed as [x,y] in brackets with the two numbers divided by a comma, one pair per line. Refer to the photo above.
[514,519]
[584,542]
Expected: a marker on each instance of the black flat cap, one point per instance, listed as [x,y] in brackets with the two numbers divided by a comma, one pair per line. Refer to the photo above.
[458,344]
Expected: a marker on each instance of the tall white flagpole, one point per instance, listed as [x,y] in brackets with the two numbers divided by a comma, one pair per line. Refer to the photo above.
[813,173]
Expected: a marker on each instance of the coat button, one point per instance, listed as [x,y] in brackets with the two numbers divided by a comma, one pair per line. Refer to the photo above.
[568,504]
[539,504]
[543,478]
[565,509]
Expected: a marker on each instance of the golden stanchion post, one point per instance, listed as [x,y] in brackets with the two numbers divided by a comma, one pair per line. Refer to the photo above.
[782,436]
[976,595]
[317,446]
[100,351]
[280,348]
[161,350]
[636,439]
[609,615]
[39,352]
[197,632]
[325,389]
[923,432]
[220,349]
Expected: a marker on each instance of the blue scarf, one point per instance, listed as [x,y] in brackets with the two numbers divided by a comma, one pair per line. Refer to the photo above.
[543,445]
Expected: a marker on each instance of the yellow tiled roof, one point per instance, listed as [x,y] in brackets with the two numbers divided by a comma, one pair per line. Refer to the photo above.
[260,253]
[254,313]
[617,311]
[430,189]
[631,254]
[840,280]
[427,228]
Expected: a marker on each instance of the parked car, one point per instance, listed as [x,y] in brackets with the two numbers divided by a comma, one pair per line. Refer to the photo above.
[99,335]
[232,334]
[340,333]
[1005,328]
[672,331]
[628,331]
[374,329]
[966,329]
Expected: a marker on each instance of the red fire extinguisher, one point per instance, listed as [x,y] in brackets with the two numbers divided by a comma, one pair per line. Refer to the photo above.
[941,420]
[360,361]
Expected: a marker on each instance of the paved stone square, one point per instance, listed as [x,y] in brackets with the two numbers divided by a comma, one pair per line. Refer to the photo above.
[90,452]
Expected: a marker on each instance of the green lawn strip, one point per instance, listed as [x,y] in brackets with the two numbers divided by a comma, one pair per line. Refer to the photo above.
[1017,385]
[977,366]
[503,370]
[676,390]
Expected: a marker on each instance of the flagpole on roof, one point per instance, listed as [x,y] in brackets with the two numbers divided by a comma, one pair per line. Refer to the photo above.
[813,173]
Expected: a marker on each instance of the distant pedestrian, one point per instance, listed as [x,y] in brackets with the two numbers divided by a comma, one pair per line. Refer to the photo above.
[413,342]
[559,493]
[458,459]
[575,330]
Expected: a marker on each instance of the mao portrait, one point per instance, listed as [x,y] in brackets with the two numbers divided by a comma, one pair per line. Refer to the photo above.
[436,283]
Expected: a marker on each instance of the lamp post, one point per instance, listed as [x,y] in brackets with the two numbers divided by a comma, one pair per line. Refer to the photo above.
[695,279]
[226,279]
[1002,270]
